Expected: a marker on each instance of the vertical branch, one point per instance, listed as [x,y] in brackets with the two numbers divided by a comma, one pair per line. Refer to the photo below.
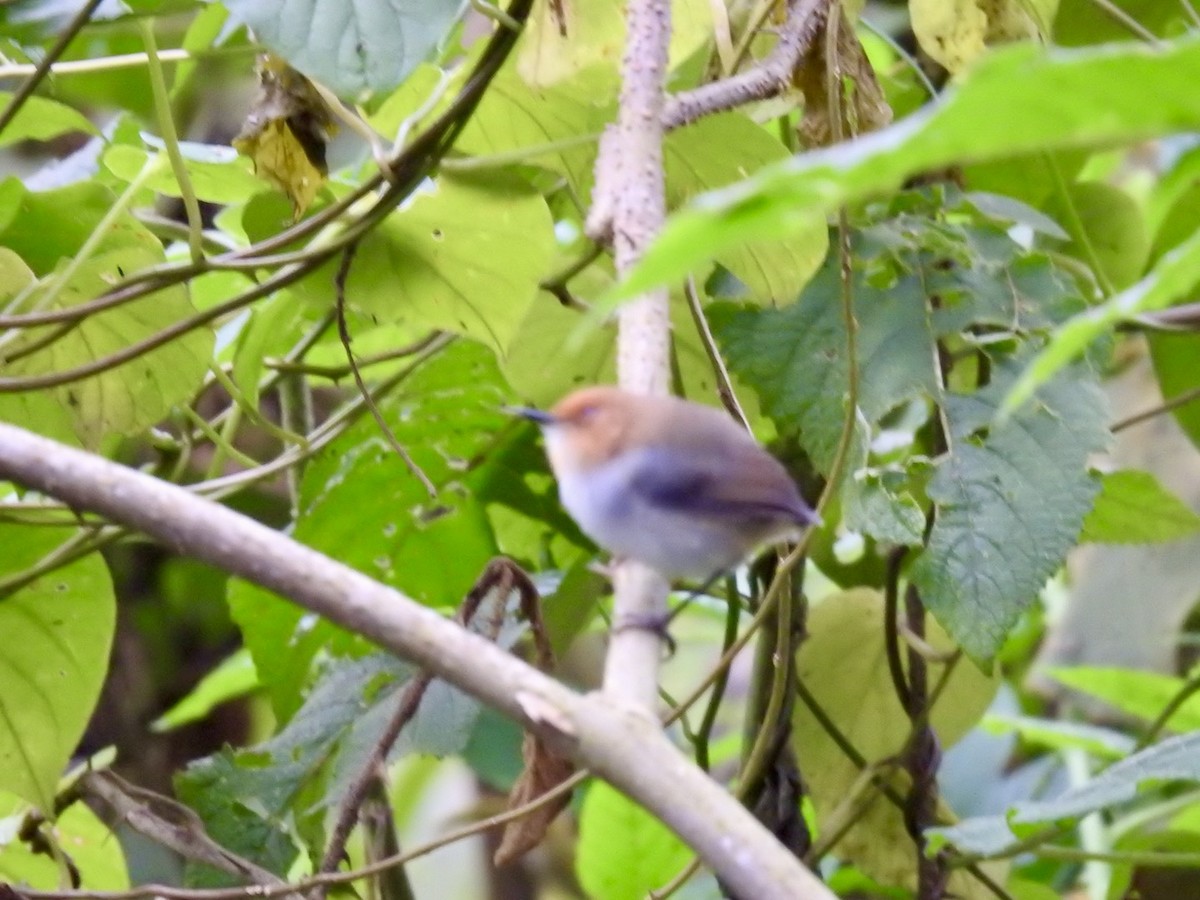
[922,759]
[629,206]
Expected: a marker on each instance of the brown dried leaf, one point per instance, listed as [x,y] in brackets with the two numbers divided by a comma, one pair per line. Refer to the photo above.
[864,107]
[544,770]
[286,132]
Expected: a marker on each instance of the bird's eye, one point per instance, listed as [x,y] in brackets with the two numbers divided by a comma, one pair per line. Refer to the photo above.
[587,412]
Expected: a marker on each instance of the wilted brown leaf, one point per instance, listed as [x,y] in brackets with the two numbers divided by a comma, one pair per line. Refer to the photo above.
[286,132]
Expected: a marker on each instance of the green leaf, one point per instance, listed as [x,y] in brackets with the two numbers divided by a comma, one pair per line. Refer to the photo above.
[1077,24]
[1103,743]
[795,357]
[247,797]
[1134,692]
[94,851]
[465,256]
[566,119]
[57,630]
[234,677]
[242,798]
[48,226]
[1011,498]
[624,852]
[883,510]
[1002,107]
[1172,277]
[369,45]
[218,174]
[843,665]
[1134,508]
[362,505]
[590,34]
[1175,759]
[41,119]
[1111,223]
[40,410]
[134,395]
[719,150]
[1174,358]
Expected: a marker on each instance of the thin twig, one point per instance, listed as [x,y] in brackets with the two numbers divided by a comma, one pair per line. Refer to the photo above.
[25,91]
[166,125]
[1185,692]
[339,284]
[330,879]
[1128,22]
[410,696]
[708,720]
[770,77]
[724,383]
[1179,400]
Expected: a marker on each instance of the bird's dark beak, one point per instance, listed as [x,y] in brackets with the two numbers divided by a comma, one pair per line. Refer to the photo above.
[534,415]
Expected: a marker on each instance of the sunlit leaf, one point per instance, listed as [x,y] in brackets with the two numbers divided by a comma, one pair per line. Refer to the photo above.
[1134,508]
[1011,103]
[41,119]
[624,851]
[58,630]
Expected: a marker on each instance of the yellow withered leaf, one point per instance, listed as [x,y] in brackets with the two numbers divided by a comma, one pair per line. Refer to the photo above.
[286,132]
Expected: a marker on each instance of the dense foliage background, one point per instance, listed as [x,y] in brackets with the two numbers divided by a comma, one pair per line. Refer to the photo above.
[945,266]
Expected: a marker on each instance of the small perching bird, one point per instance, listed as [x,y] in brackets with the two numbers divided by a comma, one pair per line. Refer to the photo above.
[673,484]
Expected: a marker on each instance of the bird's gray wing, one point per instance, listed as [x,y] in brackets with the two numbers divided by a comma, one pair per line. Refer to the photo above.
[706,485]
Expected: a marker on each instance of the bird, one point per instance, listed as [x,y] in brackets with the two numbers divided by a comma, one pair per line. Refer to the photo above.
[673,484]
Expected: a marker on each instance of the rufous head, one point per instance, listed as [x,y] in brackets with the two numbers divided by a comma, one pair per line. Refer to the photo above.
[587,427]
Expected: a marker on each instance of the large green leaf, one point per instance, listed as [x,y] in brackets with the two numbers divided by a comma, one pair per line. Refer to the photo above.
[464,255]
[1174,357]
[1134,508]
[362,505]
[1018,99]
[1175,759]
[843,665]
[566,119]
[58,630]
[795,357]
[128,397]
[624,852]
[719,150]
[218,174]
[1171,278]
[248,797]
[41,119]
[1011,497]
[47,226]
[563,39]
[94,852]
[368,45]
[1134,692]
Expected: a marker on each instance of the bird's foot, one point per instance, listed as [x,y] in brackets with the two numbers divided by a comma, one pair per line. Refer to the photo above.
[656,623]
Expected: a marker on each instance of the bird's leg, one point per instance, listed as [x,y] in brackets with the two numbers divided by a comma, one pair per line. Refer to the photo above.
[660,624]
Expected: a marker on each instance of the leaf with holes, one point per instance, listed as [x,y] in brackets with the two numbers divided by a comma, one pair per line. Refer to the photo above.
[362,505]
[133,395]
[463,255]
[795,357]
[1011,497]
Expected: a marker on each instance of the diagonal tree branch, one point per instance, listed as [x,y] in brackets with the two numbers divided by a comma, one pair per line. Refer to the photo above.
[621,745]
[770,77]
